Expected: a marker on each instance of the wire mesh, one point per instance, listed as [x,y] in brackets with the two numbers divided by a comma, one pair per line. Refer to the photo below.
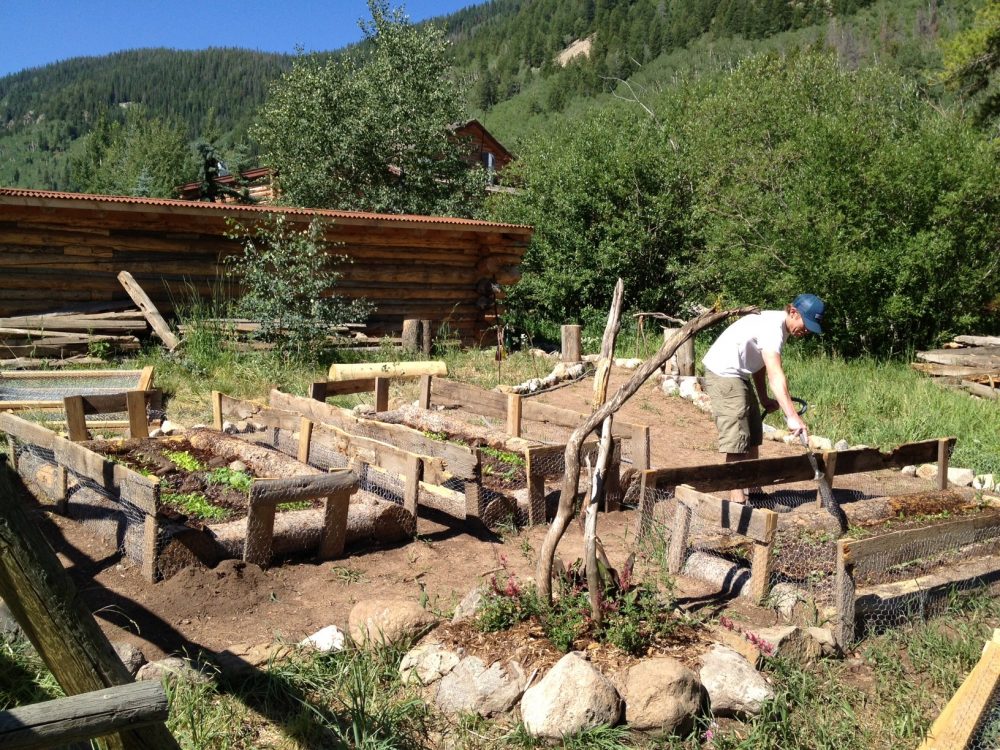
[55,387]
[986,735]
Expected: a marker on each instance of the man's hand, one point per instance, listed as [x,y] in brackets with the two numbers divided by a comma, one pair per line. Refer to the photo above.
[796,426]
[769,404]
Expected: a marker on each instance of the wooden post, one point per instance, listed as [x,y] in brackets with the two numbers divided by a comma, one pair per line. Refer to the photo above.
[844,597]
[685,358]
[425,391]
[472,486]
[381,394]
[58,623]
[647,485]
[514,414]
[613,482]
[138,425]
[334,536]
[760,563]
[12,452]
[640,447]
[411,335]
[829,471]
[571,343]
[260,534]
[305,439]
[411,492]
[144,303]
[679,538]
[150,537]
[426,338]
[942,464]
[61,497]
[217,410]
[76,421]
[317,390]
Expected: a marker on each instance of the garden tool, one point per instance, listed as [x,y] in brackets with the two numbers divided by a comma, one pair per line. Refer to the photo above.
[825,490]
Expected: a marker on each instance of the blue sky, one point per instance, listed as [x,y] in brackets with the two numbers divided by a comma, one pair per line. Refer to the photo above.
[38,32]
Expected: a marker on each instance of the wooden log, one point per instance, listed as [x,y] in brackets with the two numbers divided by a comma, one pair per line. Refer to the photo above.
[365,370]
[685,358]
[382,455]
[640,447]
[426,338]
[262,461]
[956,372]
[984,356]
[571,343]
[411,335]
[58,623]
[333,538]
[978,340]
[296,488]
[756,523]
[983,391]
[829,471]
[85,716]
[411,492]
[144,303]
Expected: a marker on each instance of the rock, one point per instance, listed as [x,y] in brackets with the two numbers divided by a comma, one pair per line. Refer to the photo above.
[688,386]
[789,641]
[984,482]
[388,621]
[472,687]
[131,657]
[470,605]
[820,443]
[927,471]
[228,427]
[841,445]
[238,466]
[824,637]
[702,401]
[960,477]
[734,687]
[908,471]
[591,358]
[572,696]
[167,427]
[661,695]
[428,663]
[776,435]
[790,439]
[629,363]
[364,409]
[8,623]
[199,426]
[670,386]
[330,638]
[156,432]
[242,659]
[172,667]
[787,598]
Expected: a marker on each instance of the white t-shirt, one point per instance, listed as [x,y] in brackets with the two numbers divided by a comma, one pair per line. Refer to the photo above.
[737,352]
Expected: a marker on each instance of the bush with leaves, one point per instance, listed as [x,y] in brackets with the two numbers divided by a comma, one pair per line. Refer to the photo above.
[287,275]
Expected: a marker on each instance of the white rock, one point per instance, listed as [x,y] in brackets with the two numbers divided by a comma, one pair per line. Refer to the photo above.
[575,371]
[330,638]
[841,445]
[790,439]
[820,443]
[689,386]
[172,667]
[572,696]
[927,471]
[661,695]
[156,432]
[786,598]
[469,606]
[388,621]
[960,477]
[629,363]
[238,466]
[984,482]
[364,409]
[790,642]
[428,663]
[824,637]
[131,657]
[908,471]
[734,687]
[167,427]
[670,386]
[228,427]
[199,426]
[472,687]
[592,358]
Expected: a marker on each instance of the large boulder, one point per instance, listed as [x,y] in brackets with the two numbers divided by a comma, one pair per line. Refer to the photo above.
[131,657]
[473,687]
[572,696]
[384,621]
[428,663]
[734,687]
[661,695]
[790,642]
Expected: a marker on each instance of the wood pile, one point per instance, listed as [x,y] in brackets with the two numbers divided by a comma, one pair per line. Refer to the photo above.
[239,333]
[70,334]
[971,363]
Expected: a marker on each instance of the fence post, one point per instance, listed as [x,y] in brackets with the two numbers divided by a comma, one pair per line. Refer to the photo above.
[514,414]
[844,596]
[571,343]
[411,335]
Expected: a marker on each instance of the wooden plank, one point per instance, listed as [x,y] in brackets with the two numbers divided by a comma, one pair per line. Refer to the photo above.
[145,378]
[513,415]
[305,439]
[58,622]
[912,544]
[138,425]
[677,552]
[373,452]
[343,388]
[76,420]
[978,340]
[365,370]
[333,538]
[647,485]
[62,374]
[150,536]
[144,303]
[943,454]
[143,492]
[756,523]
[425,391]
[844,600]
[640,446]
[829,459]
[981,356]
[217,420]
[956,724]
[307,487]
[237,410]
[381,394]
[26,431]
[953,371]
[411,492]
[760,571]
[85,716]
[459,460]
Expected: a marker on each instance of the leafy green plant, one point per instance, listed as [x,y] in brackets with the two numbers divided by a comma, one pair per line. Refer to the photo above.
[184,460]
[296,505]
[507,457]
[195,504]
[238,480]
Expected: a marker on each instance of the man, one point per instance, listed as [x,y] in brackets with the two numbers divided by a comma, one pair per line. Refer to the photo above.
[750,349]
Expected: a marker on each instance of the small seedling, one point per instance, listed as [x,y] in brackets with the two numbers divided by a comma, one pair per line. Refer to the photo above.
[184,460]
[297,505]
[195,504]
[238,480]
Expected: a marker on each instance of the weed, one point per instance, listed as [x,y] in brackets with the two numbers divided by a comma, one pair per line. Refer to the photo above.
[346,575]
[195,504]
[184,460]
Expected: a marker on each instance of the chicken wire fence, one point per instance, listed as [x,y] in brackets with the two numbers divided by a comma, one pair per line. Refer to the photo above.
[907,582]
[53,388]
[986,735]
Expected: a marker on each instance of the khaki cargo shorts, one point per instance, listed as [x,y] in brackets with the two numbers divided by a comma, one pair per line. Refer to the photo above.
[737,416]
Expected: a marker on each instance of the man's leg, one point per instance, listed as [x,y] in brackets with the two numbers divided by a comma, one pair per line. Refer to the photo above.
[740,496]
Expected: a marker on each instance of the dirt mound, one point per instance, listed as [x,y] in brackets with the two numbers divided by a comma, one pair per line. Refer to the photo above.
[196,589]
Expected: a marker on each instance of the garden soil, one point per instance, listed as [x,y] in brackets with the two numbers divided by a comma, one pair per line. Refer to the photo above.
[235,603]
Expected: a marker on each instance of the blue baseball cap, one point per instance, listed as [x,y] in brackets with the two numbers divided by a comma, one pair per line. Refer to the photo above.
[811,309]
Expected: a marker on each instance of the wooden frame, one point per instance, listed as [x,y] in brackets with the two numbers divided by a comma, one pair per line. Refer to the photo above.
[854,555]
[549,461]
[144,383]
[134,402]
[758,525]
[955,726]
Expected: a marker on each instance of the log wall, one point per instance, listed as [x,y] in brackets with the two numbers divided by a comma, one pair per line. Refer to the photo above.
[61,249]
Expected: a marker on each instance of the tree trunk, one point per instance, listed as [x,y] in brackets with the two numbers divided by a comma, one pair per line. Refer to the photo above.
[571,479]
[434,421]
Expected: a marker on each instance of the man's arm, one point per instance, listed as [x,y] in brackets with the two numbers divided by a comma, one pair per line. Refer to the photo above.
[779,387]
[760,383]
